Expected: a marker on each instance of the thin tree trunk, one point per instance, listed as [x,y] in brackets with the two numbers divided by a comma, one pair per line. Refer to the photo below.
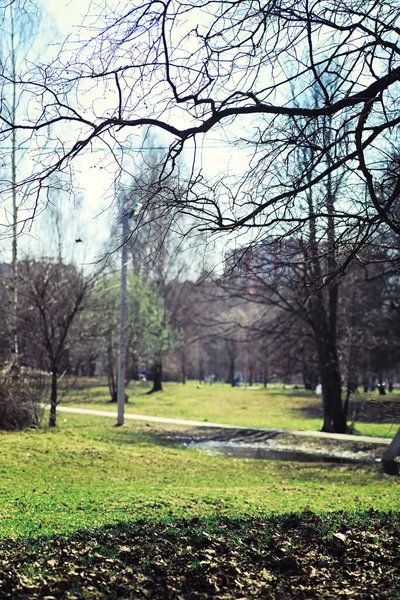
[157,377]
[53,398]
[351,379]
[112,383]
[183,366]
[310,377]
[251,375]
[231,371]
[381,385]
[201,370]
[231,352]
[265,376]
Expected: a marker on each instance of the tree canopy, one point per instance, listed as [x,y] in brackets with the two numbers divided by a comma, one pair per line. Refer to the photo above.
[243,70]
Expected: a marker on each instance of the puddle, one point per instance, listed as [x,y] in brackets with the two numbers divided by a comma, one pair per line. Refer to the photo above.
[276,452]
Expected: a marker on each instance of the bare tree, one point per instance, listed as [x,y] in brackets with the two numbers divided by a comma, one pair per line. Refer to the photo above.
[231,70]
[161,250]
[18,21]
[52,294]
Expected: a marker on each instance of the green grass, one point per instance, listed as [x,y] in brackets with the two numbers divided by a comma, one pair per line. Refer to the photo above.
[87,474]
[89,511]
[273,407]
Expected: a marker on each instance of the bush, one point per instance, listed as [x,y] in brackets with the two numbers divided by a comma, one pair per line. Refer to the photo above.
[21,394]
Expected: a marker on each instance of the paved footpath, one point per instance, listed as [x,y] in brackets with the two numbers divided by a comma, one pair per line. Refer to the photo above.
[149,419]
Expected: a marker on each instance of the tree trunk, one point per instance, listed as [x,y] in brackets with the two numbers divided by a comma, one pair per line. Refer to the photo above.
[334,417]
[183,366]
[326,308]
[157,377]
[310,377]
[111,379]
[265,377]
[381,385]
[231,371]
[231,352]
[325,330]
[201,371]
[53,398]
[351,389]
[251,375]
[388,459]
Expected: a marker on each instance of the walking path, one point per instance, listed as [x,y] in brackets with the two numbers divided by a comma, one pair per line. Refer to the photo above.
[150,419]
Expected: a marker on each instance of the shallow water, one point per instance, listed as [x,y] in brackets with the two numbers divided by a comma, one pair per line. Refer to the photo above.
[265,452]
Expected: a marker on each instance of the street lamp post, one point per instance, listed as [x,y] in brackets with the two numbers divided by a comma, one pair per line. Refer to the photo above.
[122,322]
[129,210]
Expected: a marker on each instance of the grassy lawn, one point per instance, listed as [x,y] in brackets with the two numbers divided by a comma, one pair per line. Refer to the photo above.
[258,407]
[88,474]
[91,511]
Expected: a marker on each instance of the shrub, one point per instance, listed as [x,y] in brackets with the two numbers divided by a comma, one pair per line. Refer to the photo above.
[21,394]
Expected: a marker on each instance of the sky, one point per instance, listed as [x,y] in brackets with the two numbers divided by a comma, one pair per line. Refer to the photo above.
[91,221]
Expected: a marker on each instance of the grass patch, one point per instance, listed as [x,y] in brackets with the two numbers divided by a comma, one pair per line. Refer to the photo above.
[89,474]
[273,407]
[90,511]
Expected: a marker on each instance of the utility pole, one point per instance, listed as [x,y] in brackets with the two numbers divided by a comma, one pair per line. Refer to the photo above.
[129,210]
[15,353]
[122,320]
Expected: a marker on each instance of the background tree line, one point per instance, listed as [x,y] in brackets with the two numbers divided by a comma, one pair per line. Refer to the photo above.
[319,183]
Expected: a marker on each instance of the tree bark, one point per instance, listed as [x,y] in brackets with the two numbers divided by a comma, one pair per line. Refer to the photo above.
[111,379]
[388,459]
[157,377]
[53,398]
[265,377]
[381,385]
[251,375]
[231,352]
[326,343]
[323,316]
[201,371]
[310,377]
[231,371]
[183,366]
[334,417]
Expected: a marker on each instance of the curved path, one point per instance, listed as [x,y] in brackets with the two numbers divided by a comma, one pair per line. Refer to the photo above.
[150,419]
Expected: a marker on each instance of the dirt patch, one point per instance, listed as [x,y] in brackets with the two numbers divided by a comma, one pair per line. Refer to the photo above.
[295,556]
